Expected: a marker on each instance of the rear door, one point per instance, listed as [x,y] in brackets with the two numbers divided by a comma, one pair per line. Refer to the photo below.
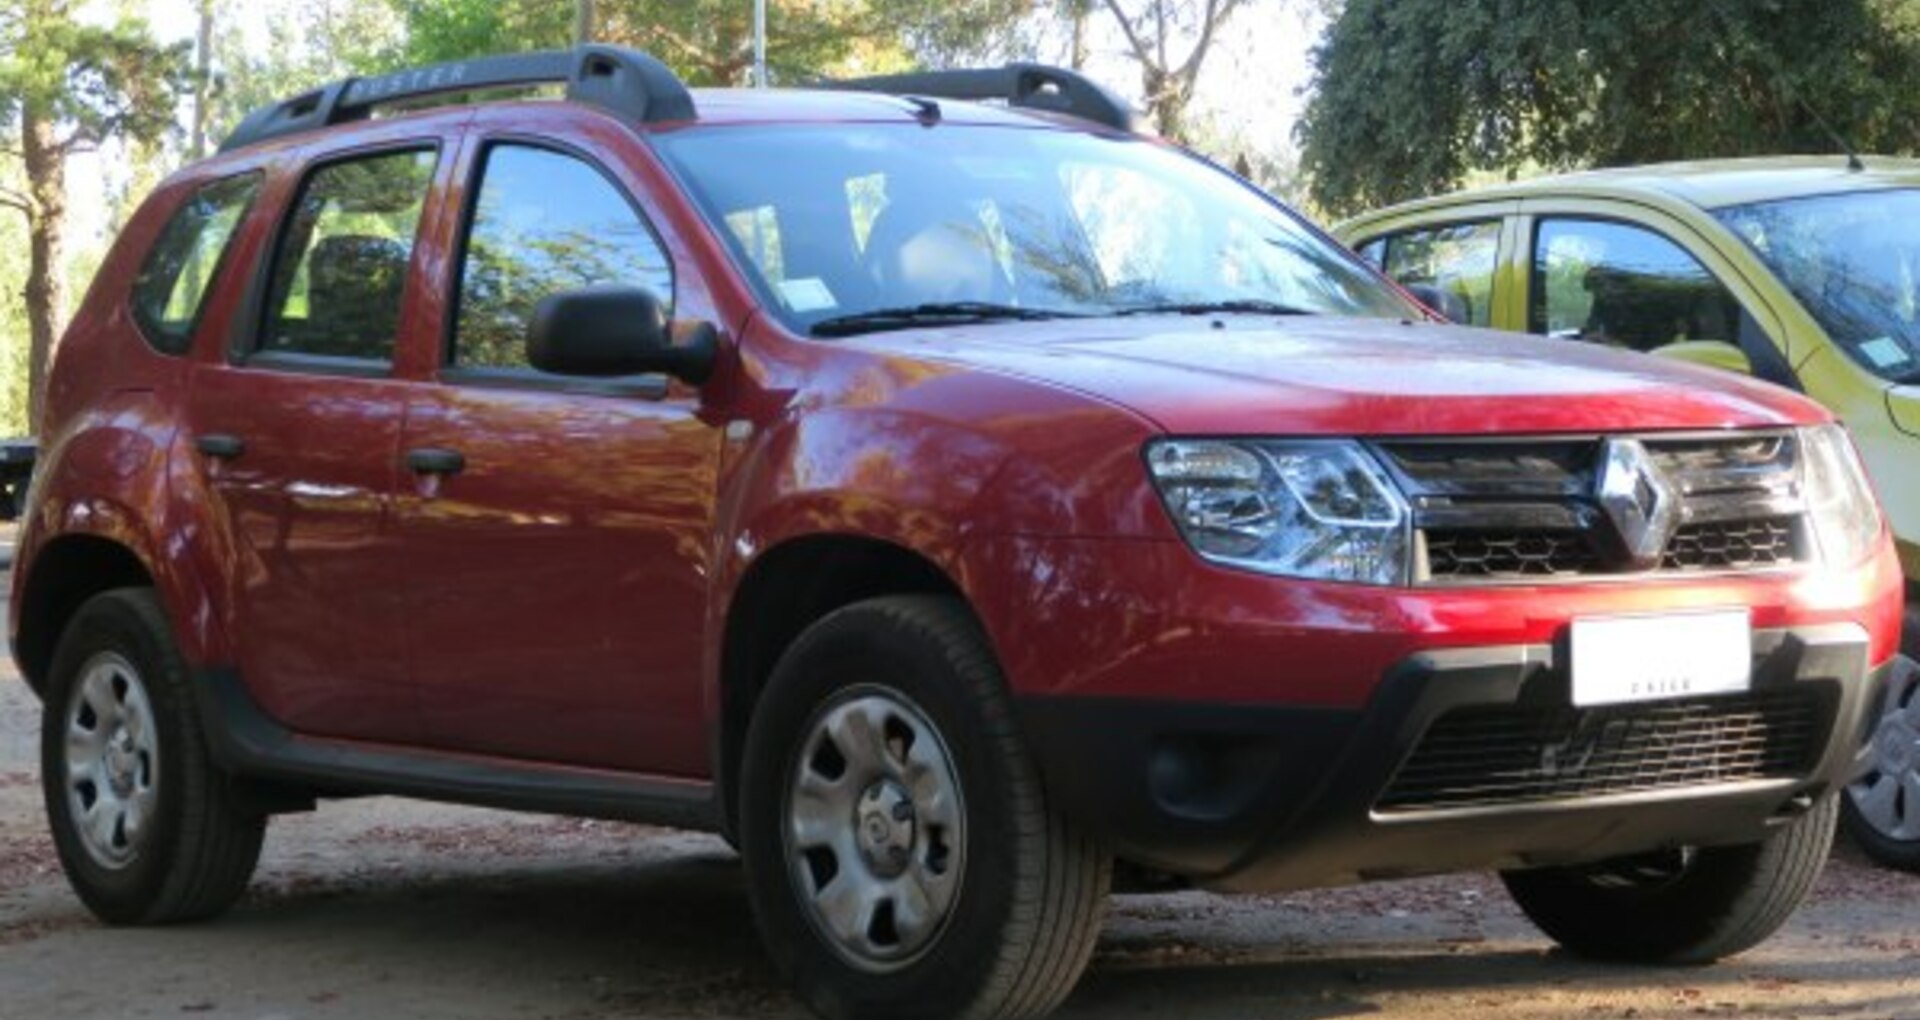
[557,532]
[297,429]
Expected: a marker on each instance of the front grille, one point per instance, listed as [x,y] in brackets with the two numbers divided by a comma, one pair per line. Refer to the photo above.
[1487,756]
[1524,510]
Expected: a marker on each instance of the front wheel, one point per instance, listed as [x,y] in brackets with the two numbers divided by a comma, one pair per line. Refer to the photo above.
[1683,906]
[1882,808]
[901,854]
[145,826]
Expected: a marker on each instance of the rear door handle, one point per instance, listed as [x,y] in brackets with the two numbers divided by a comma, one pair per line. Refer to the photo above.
[435,461]
[220,445]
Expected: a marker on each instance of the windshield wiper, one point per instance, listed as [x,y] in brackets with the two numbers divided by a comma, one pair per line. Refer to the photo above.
[1246,306]
[942,313]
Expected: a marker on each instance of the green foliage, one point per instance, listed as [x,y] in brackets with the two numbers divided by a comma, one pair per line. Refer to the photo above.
[97,81]
[1410,96]
[709,42]
[13,322]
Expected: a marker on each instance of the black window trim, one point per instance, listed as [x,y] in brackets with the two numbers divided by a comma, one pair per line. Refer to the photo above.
[151,333]
[651,386]
[243,344]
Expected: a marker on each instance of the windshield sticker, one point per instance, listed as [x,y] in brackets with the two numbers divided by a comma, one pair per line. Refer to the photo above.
[807,294]
[1885,352]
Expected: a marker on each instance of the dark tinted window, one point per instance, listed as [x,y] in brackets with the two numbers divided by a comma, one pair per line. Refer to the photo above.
[178,272]
[545,223]
[1459,259]
[1625,286]
[341,269]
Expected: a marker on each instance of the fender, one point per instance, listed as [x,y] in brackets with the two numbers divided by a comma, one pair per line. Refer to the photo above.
[108,475]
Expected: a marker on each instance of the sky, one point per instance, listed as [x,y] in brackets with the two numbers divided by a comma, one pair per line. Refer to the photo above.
[1262,55]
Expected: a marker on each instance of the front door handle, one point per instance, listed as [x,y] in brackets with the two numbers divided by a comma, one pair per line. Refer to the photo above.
[435,461]
[220,446]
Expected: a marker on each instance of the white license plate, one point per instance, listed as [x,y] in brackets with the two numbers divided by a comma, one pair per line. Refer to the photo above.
[1624,659]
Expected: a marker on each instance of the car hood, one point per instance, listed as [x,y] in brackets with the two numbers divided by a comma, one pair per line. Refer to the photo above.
[1330,376]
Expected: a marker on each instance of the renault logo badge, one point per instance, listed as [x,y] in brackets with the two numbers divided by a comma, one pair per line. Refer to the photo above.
[1639,501]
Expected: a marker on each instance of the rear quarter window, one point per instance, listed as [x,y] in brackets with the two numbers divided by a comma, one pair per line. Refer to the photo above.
[179,270]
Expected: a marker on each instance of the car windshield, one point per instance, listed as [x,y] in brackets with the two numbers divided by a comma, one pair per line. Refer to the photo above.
[1854,262]
[858,227]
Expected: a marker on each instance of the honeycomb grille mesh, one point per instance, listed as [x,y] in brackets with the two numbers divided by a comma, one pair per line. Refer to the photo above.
[1731,545]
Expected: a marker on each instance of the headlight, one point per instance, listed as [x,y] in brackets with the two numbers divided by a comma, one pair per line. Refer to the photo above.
[1299,508]
[1846,520]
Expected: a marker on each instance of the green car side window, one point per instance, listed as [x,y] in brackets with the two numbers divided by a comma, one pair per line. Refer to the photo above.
[1624,286]
[1458,258]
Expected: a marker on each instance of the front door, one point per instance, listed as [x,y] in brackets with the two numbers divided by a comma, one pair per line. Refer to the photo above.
[298,436]
[556,531]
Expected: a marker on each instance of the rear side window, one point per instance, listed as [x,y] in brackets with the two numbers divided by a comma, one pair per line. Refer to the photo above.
[179,271]
[1458,259]
[340,272]
[545,223]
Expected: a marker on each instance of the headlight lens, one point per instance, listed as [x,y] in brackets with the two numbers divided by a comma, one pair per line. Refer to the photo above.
[1299,508]
[1846,520]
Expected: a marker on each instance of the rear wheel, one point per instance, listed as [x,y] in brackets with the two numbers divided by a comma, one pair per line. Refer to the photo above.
[1686,906]
[145,826]
[1882,807]
[902,857]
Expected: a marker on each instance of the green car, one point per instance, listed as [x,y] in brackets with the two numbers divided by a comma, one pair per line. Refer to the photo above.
[1804,271]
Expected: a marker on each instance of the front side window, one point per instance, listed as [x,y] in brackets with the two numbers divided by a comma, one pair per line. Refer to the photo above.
[179,271]
[864,219]
[340,273]
[1624,286]
[1458,259]
[1854,262]
[545,223]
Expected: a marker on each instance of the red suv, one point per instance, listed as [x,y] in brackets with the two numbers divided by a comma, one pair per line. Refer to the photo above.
[944,499]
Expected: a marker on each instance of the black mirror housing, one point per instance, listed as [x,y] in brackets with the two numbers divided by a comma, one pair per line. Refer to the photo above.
[602,332]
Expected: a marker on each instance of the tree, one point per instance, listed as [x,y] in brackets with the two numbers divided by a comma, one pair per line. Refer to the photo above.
[65,88]
[1167,79]
[1409,96]
[709,42]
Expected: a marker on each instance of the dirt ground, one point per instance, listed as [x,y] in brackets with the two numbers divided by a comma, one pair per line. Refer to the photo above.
[393,910]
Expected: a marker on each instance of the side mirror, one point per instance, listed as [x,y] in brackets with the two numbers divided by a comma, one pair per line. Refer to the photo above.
[1441,300]
[1712,353]
[614,331]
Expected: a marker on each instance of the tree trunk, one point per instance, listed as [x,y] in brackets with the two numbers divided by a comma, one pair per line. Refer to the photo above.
[1079,11]
[582,22]
[202,80]
[46,171]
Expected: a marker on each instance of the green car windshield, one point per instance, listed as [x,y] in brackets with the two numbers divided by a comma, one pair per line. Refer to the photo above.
[1854,261]
[858,227]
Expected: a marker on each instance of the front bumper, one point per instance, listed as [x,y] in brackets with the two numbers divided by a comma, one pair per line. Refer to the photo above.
[1267,798]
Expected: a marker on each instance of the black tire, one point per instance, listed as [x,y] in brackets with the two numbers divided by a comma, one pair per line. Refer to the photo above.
[196,851]
[1682,908]
[1031,888]
[1880,810]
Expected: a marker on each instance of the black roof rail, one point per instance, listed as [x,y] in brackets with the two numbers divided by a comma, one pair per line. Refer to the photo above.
[1029,86]
[624,81]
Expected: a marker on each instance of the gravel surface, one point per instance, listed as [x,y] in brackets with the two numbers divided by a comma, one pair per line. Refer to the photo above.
[395,910]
